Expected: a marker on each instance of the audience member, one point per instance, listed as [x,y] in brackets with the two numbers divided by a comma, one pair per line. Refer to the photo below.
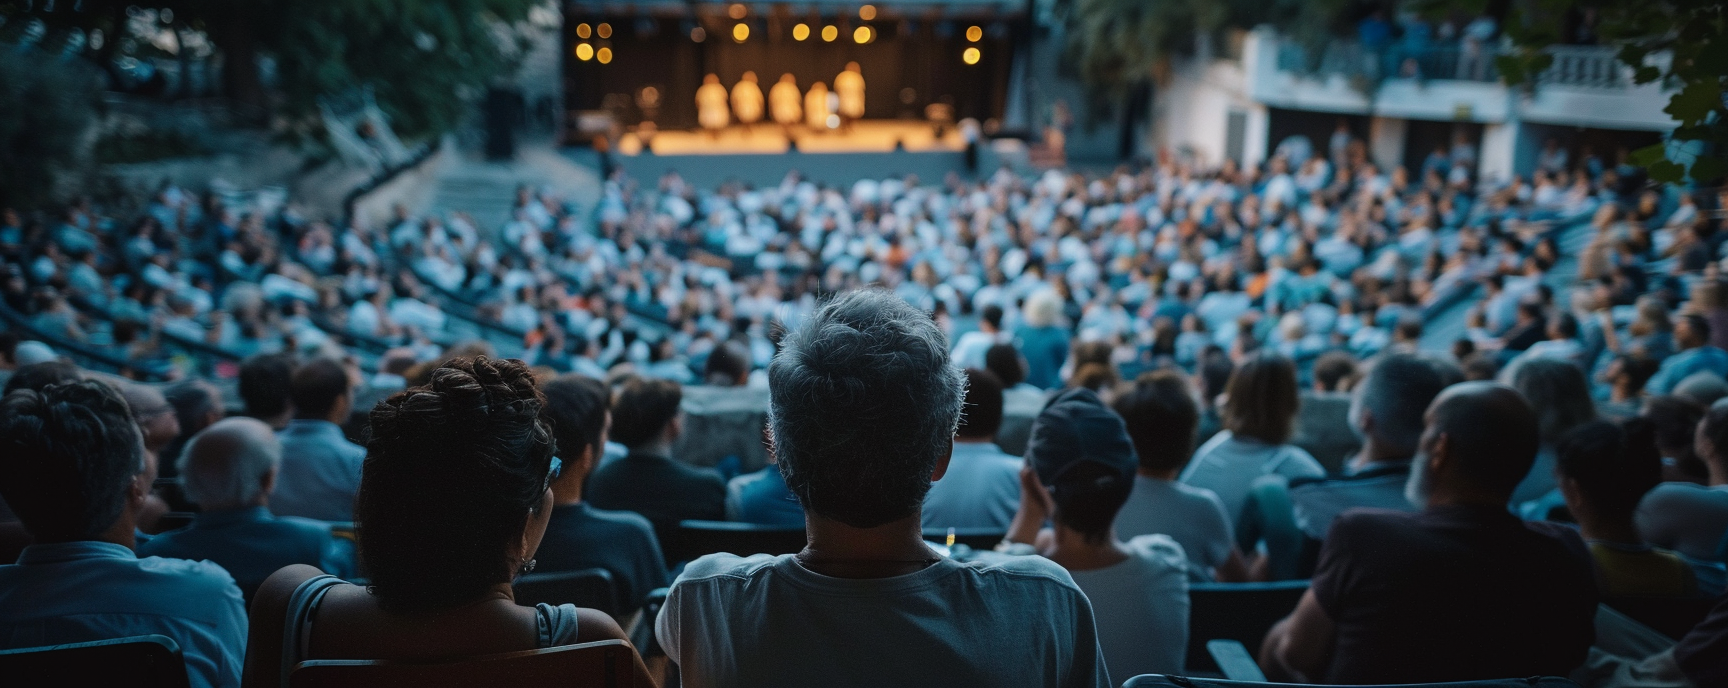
[1081,471]
[1626,376]
[1604,469]
[579,536]
[1021,402]
[1557,391]
[36,376]
[265,388]
[864,406]
[456,498]
[320,467]
[1386,411]
[1689,518]
[1161,415]
[648,481]
[1259,416]
[1695,355]
[728,365]
[73,467]
[197,405]
[1676,420]
[981,488]
[971,348]
[1449,593]
[762,497]
[1334,371]
[229,470]
[1043,340]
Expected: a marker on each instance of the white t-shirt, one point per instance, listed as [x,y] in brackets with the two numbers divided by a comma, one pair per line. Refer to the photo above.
[1142,608]
[1228,466]
[768,621]
[1193,517]
[1685,517]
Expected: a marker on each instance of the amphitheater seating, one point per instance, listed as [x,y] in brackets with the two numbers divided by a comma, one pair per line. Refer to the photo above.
[606,664]
[145,661]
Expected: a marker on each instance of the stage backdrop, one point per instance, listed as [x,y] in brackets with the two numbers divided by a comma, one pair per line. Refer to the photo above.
[923,55]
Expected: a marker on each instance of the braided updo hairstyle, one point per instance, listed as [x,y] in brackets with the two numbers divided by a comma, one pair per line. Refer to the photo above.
[452,473]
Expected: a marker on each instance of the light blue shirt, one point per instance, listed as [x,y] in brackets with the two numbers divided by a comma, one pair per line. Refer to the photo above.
[762,497]
[980,490]
[74,592]
[1686,363]
[320,472]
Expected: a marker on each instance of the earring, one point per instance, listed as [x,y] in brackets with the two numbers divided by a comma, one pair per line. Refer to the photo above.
[526,567]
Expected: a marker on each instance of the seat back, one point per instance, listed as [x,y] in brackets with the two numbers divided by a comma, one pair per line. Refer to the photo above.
[606,664]
[592,588]
[976,538]
[696,538]
[144,661]
[1671,616]
[1243,612]
[1162,681]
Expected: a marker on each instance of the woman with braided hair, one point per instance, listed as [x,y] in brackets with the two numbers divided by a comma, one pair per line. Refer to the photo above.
[454,498]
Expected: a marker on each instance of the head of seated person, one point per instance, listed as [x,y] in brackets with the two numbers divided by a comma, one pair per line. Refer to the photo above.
[75,466]
[452,506]
[1388,405]
[1261,399]
[1006,363]
[1083,458]
[264,387]
[1162,416]
[1480,441]
[646,417]
[39,375]
[1605,468]
[321,391]
[983,410]
[231,465]
[577,406]
[728,365]
[863,408]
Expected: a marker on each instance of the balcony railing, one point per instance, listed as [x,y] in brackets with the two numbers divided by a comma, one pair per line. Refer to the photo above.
[1586,66]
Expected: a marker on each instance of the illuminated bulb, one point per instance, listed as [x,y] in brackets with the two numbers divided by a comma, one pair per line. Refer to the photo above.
[830,33]
[737,11]
[698,34]
[861,35]
[584,52]
[605,30]
[800,32]
[583,31]
[867,12]
[604,56]
[970,56]
[833,121]
[740,32]
[974,33]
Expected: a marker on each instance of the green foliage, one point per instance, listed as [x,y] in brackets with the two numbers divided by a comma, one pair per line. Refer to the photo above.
[1680,43]
[46,106]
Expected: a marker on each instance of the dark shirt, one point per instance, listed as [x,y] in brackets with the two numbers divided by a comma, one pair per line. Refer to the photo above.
[1703,653]
[579,536]
[662,490]
[251,544]
[1454,593]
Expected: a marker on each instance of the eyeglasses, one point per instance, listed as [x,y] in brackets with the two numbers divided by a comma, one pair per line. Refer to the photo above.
[555,470]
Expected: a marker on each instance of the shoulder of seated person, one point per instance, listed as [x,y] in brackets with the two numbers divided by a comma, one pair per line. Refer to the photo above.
[1160,548]
[991,563]
[723,565]
[185,568]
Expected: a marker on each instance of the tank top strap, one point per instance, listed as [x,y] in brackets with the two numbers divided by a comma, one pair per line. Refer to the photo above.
[557,624]
[297,628]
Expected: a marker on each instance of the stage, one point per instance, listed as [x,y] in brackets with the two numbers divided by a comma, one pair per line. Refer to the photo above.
[762,155]
[863,136]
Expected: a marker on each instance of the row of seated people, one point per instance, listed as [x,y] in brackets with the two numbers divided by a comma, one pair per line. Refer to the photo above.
[465,481]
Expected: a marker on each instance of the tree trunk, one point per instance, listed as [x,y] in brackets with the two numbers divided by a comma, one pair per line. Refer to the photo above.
[235,33]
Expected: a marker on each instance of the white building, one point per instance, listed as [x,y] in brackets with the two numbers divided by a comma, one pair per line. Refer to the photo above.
[1267,89]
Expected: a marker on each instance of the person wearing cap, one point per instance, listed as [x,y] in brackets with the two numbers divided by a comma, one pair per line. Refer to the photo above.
[1080,470]
[863,404]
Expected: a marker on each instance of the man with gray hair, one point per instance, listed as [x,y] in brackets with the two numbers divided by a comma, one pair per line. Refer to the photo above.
[863,407]
[229,469]
[1386,413]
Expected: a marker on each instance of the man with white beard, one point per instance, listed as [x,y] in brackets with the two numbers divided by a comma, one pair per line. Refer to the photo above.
[1452,592]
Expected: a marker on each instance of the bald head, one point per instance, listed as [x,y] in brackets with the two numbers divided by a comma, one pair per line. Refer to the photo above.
[1484,435]
[231,464]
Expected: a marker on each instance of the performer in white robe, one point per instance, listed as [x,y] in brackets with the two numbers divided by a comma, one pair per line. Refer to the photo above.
[816,107]
[849,85]
[785,102]
[747,100]
[711,110]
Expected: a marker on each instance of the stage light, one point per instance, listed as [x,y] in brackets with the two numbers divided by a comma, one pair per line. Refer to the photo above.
[583,30]
[830,33]
[800,32]
[584,52]
[833,121]
[604,55]
[973,33]
[740,32]
[604,30]
[867,12]
[970,56]
[737,11]
[862,35]
[698,35]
